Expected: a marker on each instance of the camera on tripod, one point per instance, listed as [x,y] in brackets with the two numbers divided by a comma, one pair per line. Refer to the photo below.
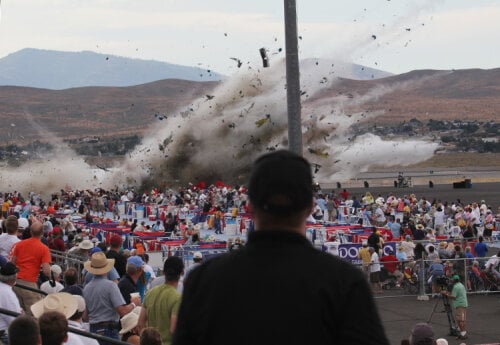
[444,283]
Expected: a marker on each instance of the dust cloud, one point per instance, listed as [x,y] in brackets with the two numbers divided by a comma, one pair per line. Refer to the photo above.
[218,137]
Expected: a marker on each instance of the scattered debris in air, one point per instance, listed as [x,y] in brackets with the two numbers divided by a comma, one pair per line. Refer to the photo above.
[318,152]
[265,59]
[261,122]
[238,61]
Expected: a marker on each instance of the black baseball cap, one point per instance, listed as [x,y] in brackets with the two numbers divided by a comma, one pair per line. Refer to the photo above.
[281,183]
[9,269]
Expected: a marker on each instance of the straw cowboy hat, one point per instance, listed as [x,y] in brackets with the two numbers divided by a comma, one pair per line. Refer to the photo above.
[99,264]
[130,320]
[62,302]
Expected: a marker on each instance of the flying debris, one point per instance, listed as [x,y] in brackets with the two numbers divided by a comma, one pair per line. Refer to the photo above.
[408,29]
[262,121]
[316,167]
[102,168]
[249,108]
[238,61]
[374,37]
[265,59]
[209,97]
[278,51]
[318,152]
[160,116]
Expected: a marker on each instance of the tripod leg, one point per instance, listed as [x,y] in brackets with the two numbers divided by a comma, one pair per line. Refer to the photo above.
[433,311]
[451,318]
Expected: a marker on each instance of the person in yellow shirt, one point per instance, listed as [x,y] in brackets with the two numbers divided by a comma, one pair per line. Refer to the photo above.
[366,258]
[5,207]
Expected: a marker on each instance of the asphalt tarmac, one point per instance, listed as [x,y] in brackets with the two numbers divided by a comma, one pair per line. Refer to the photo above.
[490,192]
[400,314]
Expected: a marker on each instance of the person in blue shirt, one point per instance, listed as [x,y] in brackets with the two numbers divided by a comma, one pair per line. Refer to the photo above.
[481,250]
[435,271]
[470,257]
[321,202]
[396,228]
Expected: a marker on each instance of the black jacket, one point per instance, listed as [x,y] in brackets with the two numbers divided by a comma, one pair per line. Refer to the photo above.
[278,289]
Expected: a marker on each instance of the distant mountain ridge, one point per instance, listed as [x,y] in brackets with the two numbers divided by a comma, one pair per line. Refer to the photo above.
[56,70]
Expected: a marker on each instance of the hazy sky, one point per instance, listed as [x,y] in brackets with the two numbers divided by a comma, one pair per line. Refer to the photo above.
[410,34]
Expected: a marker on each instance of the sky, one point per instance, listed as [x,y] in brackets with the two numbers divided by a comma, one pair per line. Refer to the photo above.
[392,35]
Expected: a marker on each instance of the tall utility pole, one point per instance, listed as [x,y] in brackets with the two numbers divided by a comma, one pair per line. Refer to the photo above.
[292,79]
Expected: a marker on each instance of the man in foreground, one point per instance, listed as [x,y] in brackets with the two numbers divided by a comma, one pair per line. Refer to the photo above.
[292,293]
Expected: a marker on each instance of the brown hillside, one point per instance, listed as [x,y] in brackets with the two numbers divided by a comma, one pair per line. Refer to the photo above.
[440,95]
[93,111]
[120,111]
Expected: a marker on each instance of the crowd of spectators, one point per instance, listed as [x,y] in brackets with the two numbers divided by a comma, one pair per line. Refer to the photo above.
[29,225]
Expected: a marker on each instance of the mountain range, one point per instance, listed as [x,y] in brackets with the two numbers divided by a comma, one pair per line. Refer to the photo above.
[56,70]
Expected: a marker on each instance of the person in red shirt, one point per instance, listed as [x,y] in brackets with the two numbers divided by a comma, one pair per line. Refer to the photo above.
[344,194]
[50,208]
[56,242]
[391,264]
[29,255]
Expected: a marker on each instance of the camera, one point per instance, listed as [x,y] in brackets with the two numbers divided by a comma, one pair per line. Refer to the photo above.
[444,283]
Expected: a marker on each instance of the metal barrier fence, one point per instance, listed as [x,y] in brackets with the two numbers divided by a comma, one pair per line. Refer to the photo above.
[67,260]
[186,253]
[73,330]
[70,329]
[417,278]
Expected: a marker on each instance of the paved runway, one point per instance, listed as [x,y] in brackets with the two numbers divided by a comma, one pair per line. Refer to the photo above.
[400,314]
[490,192]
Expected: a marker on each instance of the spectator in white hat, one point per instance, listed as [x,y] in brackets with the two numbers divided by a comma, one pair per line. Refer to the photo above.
[53,285]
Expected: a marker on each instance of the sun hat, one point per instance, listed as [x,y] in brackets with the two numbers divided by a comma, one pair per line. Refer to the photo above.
[56,269]
[99,264]
[62,302]
[441,341]
[421,332]
[80,303]
[281,183]
[456,277]
[128,322]
[197,255]
[86,244]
